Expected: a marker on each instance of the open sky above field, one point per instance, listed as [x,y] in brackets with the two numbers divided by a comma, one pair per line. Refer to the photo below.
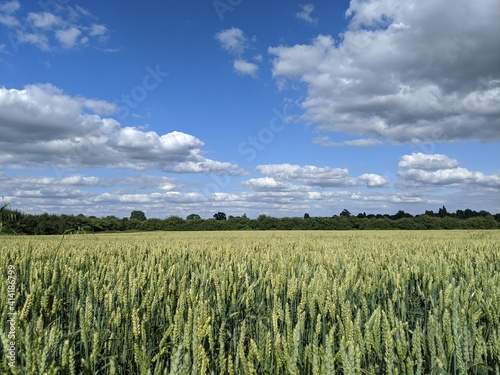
[256,107]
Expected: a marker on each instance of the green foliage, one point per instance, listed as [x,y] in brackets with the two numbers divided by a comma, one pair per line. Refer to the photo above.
[137,215]
[345,213]
[17,222]
[220,216]
[7,219]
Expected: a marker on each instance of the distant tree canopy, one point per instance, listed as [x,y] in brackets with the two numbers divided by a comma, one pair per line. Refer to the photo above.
[15,222]
[220,216]
[6,215]
[442,212]
[345,213]
[137,215]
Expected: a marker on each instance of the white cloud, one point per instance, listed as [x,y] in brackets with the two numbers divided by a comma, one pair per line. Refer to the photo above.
[373,180]
[305,14]
[309,175]
[41,125]
[44,20]
[385,199]
[154,199]
[363,142]
[203,165]
[9,20]
[279,178]
[49,193]
[427,161]
[84,11]
[76,27]
[267,183]
[68,37]
[160,196]
[111,50]
[37,39]
[235,42]
[407,71]
[452,176]
[77,180]
[98,30]
[258,58]
[22,183]
[144,181]
[167,186]
[441,170]
[245,67]
[232,40]
[7,9]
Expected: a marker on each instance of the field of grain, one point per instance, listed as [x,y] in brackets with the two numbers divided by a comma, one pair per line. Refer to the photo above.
[252,303]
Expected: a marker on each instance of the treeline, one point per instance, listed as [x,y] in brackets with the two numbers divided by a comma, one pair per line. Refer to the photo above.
[15,222]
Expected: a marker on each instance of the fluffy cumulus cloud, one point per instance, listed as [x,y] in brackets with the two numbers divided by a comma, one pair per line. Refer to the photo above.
[245,67]
[41,125]
[453,176]
[373,180]
[412,71]
[427,161]
[64,26]
[441,170]
[236,43]
[232,40]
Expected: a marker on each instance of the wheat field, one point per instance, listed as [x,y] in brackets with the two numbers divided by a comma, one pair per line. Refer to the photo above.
[375,302]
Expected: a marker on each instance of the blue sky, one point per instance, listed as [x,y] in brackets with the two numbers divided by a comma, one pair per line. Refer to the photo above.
[256,107]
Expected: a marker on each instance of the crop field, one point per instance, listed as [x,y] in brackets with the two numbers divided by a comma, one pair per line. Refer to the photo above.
[371,302]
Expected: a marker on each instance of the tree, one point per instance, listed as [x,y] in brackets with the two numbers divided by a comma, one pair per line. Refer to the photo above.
[443,212]
[6,215]
[400,215]
[220,216]
[193,217]
[265,222]
[111,223]
[173,223]
[345,213]
[137,215]
[306,216]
